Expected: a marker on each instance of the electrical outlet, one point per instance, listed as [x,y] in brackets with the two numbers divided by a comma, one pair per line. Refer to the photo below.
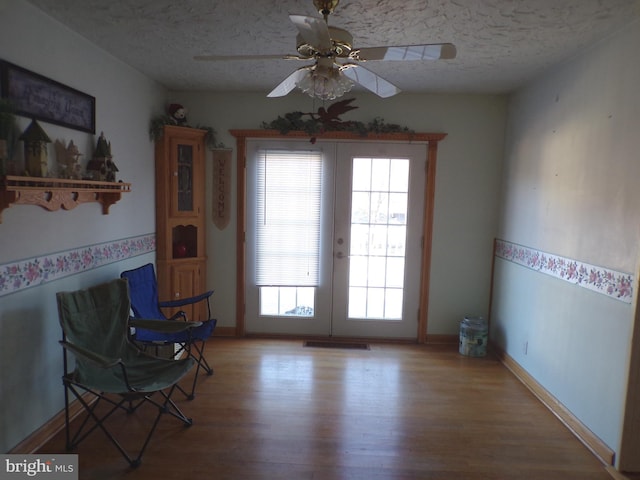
[525,347]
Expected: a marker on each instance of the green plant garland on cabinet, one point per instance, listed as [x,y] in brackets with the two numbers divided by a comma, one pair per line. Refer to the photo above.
[157,124]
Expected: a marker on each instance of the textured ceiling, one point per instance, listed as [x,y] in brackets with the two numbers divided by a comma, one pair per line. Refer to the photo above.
[501,43]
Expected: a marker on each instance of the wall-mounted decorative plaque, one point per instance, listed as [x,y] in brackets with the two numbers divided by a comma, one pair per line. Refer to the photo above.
[35,96]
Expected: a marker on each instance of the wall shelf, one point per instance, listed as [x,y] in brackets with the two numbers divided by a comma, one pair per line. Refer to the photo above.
[55,193]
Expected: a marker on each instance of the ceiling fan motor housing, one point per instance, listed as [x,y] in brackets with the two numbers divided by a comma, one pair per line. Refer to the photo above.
[341,45]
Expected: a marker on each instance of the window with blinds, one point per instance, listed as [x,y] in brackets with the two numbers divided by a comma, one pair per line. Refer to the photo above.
[288,197]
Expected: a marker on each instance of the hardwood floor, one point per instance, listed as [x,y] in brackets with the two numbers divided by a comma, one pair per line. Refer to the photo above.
[277,410]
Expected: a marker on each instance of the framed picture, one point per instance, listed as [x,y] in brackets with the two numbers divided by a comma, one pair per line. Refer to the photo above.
[35,96]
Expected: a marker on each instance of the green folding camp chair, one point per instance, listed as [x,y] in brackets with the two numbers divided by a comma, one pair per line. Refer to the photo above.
[109,367]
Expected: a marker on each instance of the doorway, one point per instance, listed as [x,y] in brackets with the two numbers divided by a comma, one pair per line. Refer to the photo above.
[334,238]
[243,136]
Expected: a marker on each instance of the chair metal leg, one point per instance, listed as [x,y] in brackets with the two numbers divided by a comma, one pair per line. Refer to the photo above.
[66,417]
[165,406]
[202,363]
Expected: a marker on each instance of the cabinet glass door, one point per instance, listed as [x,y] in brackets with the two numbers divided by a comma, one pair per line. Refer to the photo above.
[185,178]
[184,162]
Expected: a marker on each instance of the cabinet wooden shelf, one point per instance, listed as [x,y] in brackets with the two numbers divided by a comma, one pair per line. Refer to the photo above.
[55,193]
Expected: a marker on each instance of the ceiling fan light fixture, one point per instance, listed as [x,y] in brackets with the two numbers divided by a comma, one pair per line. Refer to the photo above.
[325,83]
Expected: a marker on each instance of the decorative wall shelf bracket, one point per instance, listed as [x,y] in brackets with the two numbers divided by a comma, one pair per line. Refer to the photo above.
[56,193]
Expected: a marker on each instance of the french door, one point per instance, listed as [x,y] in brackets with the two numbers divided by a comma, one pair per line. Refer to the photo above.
[333,241]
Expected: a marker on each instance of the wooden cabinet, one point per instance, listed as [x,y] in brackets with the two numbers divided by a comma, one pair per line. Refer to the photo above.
[180,216]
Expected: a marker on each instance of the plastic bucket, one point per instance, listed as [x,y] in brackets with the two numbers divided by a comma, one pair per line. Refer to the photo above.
[474,334]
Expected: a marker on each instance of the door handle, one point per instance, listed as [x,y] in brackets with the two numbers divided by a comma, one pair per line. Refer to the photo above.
[341,255]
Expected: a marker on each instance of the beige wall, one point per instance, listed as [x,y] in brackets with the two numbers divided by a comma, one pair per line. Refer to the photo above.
[570,189]
[466,205]
[30,356]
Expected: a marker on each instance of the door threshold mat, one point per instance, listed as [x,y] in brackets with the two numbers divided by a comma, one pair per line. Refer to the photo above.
[342,345]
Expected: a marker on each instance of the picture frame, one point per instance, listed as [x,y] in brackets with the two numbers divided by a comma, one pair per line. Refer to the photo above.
[36,96]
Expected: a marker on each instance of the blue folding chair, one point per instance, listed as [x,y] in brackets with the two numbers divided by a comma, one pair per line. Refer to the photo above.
[143,292]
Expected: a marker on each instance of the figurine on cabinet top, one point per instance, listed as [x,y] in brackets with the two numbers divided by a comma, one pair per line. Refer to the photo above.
[178,114]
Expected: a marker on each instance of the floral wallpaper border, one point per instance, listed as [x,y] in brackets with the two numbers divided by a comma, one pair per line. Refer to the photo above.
[617,285]
[35,271]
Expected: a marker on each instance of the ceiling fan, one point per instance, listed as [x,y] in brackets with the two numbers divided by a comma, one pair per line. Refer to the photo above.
[337,64]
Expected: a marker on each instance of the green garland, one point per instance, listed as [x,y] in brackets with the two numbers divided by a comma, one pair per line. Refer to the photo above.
[157,124]
[296,121]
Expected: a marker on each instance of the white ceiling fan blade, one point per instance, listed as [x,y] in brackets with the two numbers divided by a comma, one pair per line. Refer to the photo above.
[313,30]
[289,83]
[215,58]
[435,51]
[370,81]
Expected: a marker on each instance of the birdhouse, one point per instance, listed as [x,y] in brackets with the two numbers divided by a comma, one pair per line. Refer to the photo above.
[101,166]
[35,150]
[68,158]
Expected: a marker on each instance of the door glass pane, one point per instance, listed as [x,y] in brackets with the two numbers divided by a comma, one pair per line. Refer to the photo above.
[287,301]
[379,207]
[378,238]
[359,239]
[361,181]
[377,277]
[185,178]
[396,236]
[375,303]
[358,269]
[360,205]
[399,177]
[398,208]
[380,174]
[393,303]
[357,302]
[395,272]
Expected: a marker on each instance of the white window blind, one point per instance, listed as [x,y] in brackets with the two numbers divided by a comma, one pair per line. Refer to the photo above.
[288,195]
